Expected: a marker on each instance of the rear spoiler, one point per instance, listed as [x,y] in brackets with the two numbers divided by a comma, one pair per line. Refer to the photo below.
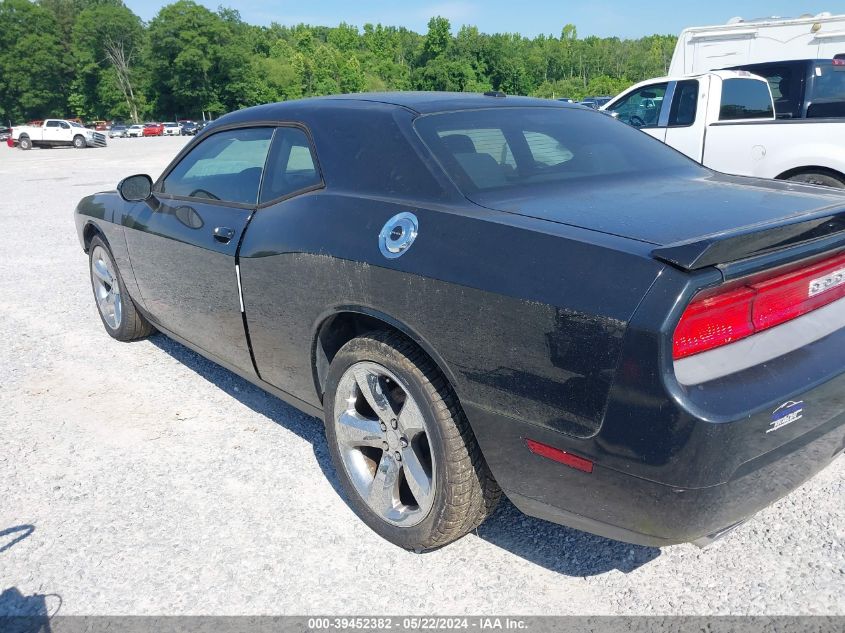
[827,229]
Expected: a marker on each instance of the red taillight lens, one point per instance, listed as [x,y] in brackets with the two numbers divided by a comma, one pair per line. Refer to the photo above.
[789,296]
[712,321]
[716,318]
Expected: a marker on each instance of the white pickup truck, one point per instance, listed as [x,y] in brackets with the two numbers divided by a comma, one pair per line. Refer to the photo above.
[57,133]
[726,121]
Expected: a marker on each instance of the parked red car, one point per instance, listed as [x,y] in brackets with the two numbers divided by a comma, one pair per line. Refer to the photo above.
[153,129]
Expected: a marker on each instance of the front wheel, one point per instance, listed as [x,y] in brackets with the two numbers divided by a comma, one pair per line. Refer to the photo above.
[117,311]
[401,444]
[78,142]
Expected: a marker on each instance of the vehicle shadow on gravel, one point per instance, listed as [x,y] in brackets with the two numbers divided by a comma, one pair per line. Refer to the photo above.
[557,548]
[14,535]
[561,549]
[25,614]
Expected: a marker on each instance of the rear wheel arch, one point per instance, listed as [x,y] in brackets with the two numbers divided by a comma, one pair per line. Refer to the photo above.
[337,328]
[812,169]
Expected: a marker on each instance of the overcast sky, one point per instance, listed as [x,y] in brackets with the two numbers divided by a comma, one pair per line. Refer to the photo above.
[623,18]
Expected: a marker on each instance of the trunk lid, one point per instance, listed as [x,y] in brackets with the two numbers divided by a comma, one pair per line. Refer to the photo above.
[694,222]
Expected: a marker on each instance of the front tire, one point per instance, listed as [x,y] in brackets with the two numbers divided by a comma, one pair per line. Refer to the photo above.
[79,142]
[402,447]
[818,178]
[117,311]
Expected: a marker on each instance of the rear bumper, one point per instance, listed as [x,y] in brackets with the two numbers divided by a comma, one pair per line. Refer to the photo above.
[634,509]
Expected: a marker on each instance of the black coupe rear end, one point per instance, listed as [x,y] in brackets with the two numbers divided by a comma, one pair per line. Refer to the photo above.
[482,292]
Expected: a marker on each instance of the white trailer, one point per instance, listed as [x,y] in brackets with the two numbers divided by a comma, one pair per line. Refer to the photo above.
[739,42]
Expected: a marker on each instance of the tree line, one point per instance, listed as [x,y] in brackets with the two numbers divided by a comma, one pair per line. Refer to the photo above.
[97,60]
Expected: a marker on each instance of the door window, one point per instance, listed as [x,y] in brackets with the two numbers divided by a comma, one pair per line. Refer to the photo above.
[226,166]
[745,99]
[52,124]
[642,107]
[290,167]
[684,104]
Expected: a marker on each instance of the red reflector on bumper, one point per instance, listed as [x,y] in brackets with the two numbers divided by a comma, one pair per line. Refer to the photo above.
[573,461]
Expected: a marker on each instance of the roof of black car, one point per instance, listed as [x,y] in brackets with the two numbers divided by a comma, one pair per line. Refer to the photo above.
[420,102]
[426,102]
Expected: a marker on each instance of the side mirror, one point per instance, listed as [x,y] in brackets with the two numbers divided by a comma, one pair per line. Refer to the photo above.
[136,188]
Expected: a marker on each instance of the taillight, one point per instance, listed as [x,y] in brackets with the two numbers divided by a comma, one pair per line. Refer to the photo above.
[718,317]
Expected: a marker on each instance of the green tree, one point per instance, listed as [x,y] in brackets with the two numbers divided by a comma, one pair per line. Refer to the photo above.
[200,62]
[106,45]
[436,41]
[31,66]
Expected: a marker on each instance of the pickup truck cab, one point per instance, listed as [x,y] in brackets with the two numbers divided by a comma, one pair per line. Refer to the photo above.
[804,89]
[57,133]
[726,120]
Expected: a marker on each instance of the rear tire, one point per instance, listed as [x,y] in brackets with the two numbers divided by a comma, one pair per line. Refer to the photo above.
[24,143]
[818,178]
[79,142]
[117,311]
[409,463]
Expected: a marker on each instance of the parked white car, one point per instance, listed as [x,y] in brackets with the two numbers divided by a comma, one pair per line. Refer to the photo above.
[741,42]
[136,131]
[57,133]
[726,121]
[172,129]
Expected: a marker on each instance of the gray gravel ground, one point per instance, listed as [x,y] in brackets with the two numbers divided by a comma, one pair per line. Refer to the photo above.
[142,479]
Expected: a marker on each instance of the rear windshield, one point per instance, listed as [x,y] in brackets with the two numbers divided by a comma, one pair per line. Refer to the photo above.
[745,99]
[509,148]
[827,94]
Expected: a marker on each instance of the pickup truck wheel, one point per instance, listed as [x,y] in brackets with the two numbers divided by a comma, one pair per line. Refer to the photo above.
[24,142]
[817,178]
[79,142]
[117,311]
[404,452]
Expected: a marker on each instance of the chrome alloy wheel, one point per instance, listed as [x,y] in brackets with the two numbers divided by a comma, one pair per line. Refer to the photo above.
[106,287]
[383,442]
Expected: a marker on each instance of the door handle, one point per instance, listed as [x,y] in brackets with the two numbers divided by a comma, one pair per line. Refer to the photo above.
[223,234]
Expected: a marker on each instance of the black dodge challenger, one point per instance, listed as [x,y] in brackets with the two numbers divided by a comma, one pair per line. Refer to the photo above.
[483,294]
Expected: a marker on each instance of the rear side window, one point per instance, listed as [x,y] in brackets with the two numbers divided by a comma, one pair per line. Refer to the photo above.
[684,104]
[290,167]
[541,146]
[226,166]
[745,99]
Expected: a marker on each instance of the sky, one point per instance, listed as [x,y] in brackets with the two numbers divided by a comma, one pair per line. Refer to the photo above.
[621,18]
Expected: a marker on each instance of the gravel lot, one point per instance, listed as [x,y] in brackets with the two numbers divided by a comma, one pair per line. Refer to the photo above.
[142,479]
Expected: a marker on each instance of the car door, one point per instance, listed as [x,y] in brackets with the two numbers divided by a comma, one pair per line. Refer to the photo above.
[642,108]
[52,131]
[687,117]
[183,242]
